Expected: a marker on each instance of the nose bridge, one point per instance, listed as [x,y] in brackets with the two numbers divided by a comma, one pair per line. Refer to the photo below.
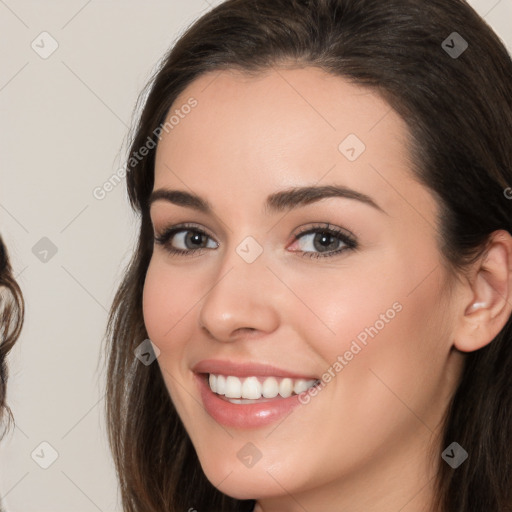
[240,294]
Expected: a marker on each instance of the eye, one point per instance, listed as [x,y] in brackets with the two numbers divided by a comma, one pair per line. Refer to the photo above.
[323,241]
[316,242]
[185,239]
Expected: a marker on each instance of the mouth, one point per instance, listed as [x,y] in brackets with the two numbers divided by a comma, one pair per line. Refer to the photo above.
[256,389]
[246,395]
[249,395]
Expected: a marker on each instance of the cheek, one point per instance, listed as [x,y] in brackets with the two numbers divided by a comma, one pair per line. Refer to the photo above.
[155,302]
[375,326]
[338,306]
[396,379]
[372,298]
[168,297]
[171,300]
[167,300]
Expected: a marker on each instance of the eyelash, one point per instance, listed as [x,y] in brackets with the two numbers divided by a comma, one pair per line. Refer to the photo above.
[350,243]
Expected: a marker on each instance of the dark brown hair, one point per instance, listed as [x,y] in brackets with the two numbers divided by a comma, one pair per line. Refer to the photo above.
[11,318]
[458,109]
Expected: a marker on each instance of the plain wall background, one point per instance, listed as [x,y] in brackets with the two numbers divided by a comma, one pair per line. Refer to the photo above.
[64,121]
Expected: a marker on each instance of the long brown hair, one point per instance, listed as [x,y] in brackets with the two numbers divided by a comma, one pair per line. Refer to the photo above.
[11,317]
[458,107]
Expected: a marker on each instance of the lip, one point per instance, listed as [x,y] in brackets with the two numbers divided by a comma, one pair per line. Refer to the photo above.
[244,416]
[239,369]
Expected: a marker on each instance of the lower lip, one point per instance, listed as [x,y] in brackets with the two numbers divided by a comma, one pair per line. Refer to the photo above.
[244,415]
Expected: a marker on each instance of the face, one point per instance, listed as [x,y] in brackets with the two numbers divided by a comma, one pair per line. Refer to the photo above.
[306,263]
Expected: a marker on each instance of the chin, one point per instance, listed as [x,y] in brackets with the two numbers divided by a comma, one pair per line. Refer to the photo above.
[240,482]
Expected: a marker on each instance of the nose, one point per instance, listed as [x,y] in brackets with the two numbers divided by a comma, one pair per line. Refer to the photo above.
[242,298]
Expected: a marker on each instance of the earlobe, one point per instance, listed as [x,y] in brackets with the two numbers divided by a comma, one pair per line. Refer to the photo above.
[491,296]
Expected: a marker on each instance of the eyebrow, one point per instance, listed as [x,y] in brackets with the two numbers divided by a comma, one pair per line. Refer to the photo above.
[278,202]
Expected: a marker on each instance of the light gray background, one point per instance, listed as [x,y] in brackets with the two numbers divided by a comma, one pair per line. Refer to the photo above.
[64,124]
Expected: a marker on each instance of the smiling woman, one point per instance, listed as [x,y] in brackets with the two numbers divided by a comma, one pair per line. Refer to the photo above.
[345,159]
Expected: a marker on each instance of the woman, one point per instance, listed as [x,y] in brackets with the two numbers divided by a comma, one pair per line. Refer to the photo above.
[324,265]
[11,312]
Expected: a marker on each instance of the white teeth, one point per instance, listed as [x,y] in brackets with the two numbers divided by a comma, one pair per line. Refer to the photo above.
[213,382]
[300,386]
[233,387]
[251,388]
[221,385]
[286,388]
[270,387]
[254,388]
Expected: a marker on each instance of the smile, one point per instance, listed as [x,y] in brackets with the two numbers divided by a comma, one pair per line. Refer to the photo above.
[246,395]
[255,388]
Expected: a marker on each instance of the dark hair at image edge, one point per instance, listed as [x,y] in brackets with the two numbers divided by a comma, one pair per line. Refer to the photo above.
[11,317]
[459,114]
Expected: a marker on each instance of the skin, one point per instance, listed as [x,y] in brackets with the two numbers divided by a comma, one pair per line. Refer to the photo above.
[362,444]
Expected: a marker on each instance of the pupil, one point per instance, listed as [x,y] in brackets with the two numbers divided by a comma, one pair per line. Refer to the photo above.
[325,240]
[195,238]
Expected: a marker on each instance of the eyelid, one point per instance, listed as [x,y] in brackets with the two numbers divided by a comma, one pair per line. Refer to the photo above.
[326,226]
[183,226]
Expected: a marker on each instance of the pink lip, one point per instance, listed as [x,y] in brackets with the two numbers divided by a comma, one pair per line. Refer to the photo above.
[217,366]
[243,416]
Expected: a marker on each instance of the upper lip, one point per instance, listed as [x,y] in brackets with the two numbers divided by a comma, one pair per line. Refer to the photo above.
[245,369]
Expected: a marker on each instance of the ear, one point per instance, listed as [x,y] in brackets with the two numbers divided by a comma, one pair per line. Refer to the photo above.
[490,296]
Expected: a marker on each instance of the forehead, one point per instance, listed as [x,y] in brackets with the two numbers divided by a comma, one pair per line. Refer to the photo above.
[284,128]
